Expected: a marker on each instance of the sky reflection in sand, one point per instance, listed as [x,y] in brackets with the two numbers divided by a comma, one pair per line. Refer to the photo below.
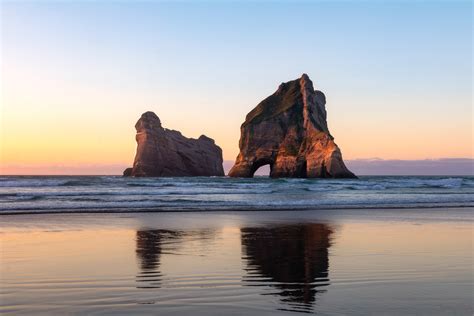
[233,264]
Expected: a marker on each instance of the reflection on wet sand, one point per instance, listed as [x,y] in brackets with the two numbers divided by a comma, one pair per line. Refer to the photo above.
[238,264]
[293,259]
[151,244]
[149,249]
[290,258]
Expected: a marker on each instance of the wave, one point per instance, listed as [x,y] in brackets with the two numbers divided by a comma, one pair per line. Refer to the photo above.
[212,202]
[20,199]
[158,185]
[46,182]
[68,193]
[448,183]
[201,208]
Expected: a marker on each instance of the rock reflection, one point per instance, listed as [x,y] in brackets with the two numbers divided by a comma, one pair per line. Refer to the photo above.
[151,244]
[149,249]
[292,259]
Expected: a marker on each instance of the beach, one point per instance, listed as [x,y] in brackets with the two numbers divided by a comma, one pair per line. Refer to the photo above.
[415,261]
[236,158]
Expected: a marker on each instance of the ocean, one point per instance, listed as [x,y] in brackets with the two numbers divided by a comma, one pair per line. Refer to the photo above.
[66,194]
[110,245]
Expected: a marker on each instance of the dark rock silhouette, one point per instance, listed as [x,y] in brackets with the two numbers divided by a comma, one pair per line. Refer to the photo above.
[292,259]
[149,246]
[149,249]
[166,153]
[288,131]
[152,244]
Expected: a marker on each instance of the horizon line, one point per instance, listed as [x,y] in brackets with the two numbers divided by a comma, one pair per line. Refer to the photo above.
[449,166]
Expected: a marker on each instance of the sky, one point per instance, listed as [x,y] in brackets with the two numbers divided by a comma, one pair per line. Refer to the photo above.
[77,75]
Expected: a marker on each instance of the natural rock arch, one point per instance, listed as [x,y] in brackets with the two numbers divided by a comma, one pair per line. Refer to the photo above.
[289,131]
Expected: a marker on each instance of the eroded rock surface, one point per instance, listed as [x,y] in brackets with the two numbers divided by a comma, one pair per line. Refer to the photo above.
[288,131]
[166,153]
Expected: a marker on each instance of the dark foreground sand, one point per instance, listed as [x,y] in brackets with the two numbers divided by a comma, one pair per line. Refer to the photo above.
[359,262]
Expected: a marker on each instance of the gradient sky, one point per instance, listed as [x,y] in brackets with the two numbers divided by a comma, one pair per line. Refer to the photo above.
[77,75]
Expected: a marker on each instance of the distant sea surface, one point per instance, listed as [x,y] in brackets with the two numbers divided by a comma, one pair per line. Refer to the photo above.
[65,194]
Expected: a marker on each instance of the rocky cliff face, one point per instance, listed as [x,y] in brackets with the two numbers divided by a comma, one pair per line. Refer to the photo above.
[288,131]
[166,153]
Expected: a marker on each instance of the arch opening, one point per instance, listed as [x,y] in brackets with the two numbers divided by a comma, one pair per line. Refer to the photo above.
[262,167]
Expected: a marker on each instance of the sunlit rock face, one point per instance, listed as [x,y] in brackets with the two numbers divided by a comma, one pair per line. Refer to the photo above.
[166,153]
[288,130]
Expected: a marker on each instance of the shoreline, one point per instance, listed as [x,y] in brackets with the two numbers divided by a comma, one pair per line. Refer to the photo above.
[167,220]
[224,210]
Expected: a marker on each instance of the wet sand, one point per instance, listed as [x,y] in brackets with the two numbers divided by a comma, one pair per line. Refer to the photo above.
[359,262]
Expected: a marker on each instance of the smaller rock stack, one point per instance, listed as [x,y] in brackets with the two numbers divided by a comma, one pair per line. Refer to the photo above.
[167,153]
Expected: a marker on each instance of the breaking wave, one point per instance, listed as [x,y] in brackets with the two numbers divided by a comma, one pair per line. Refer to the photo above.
[115,193]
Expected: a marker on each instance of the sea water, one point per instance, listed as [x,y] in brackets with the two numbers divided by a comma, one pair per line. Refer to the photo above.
[46,194]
